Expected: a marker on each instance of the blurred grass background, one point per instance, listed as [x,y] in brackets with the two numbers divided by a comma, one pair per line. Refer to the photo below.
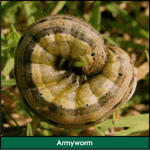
[121,23]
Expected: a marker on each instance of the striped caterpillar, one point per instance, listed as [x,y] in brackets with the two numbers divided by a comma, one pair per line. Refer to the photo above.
[65,95]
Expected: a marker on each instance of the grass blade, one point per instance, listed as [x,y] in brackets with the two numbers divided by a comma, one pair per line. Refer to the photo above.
[29,130]
[95,19]
[147,55]
[8,67]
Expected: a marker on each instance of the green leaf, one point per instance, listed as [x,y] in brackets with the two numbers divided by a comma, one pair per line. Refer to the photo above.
[2,36]
[8,67]
[59,7]
[4,3]
[135,123]
[6,47]
[46,129]
[27,7]
[111,41]
[135,129]
[9,82]
[99,132]
[80,64]
[95,18]
[14,36]
[31,20]
[9,46]
[29,130]
[147,55]
[30,8]
[8,7]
